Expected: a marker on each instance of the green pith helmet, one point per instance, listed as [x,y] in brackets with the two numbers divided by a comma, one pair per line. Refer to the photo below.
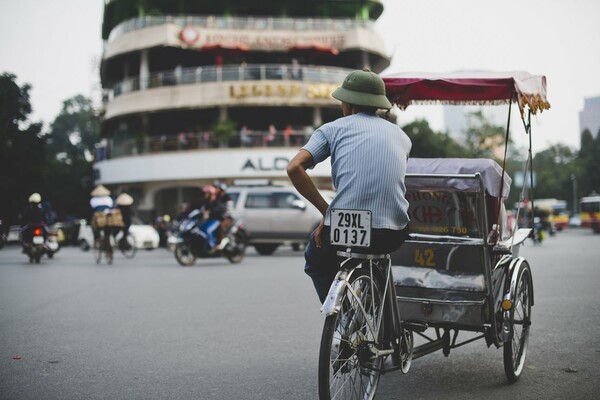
[363,88]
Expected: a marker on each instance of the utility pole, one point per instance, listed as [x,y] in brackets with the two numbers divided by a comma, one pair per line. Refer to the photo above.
[574,180]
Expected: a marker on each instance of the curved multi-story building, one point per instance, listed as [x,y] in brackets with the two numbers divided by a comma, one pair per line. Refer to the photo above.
[204,90]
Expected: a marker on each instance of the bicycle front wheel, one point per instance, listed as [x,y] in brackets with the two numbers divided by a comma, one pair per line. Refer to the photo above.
[347,367]
[127,246]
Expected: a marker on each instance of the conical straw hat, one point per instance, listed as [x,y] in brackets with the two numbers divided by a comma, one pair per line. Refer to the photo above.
[124,200]
[100,191]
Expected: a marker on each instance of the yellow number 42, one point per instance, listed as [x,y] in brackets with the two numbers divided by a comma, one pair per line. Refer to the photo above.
[424,258]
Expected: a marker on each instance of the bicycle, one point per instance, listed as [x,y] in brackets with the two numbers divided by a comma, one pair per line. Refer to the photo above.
[104,243]
[127,246]
[361,329]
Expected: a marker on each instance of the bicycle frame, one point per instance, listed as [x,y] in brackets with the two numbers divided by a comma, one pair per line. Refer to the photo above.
[389,310]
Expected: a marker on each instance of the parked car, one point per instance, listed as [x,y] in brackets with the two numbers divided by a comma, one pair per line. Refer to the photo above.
[14,234]
[274,215]
[144,235]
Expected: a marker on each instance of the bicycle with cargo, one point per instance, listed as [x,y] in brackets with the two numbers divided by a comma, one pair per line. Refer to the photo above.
[107,223]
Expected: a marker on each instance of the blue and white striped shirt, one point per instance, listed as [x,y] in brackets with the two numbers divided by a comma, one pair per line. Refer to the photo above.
[368,165]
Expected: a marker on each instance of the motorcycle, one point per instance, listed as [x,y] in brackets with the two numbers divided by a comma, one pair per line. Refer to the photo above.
[538,230]
[191,242]
[35,245]
[52,244]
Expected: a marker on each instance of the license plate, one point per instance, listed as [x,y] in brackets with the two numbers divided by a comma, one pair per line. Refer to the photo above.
[351,228]
[38,240]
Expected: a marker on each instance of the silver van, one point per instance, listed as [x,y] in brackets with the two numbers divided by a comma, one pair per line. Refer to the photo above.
[274,215]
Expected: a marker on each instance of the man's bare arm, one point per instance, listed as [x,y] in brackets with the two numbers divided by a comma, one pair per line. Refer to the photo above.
[296,170]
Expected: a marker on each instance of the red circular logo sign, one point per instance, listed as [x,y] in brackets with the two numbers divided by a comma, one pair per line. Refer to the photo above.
[189,35]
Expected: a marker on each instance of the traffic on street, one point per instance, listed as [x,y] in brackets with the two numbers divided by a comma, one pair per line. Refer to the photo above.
[149,328]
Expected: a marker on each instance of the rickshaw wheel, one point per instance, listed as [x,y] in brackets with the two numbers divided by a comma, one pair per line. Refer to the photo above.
[515,349]
[343,371]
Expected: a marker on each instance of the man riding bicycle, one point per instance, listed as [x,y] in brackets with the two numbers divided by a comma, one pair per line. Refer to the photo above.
[369,156]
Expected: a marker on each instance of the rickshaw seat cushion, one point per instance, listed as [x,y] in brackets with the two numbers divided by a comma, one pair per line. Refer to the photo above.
[437,279]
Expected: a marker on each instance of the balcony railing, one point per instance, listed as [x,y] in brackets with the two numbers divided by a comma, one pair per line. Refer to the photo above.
[242,23]
[211,73]
[116,148]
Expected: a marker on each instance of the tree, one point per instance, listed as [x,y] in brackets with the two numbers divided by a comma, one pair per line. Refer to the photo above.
[75,131]
[482,137]
[71,142]
[554,167]
[429,144]
[21,149]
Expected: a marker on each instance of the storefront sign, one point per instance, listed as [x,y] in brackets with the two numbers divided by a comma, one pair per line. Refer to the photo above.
[313,91]
[266,164]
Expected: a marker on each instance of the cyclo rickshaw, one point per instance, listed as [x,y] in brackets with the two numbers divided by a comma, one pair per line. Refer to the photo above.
[458,271]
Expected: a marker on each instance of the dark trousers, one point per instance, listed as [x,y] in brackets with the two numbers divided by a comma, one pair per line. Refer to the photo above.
[322,263]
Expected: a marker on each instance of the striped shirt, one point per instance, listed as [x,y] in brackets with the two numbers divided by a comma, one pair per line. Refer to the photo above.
[368,164]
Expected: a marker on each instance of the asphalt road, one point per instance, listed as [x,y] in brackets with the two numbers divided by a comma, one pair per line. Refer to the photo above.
[149,329]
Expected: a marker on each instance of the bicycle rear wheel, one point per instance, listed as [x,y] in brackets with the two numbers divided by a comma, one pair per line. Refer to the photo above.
[127,246]
[345,360]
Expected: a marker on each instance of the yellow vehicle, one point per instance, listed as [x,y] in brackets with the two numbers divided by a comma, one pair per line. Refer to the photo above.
[590,212]
[558,217]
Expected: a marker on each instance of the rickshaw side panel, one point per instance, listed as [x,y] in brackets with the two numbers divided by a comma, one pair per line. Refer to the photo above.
[441,272]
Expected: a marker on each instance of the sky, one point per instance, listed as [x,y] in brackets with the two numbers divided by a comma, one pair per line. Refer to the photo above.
[56,47]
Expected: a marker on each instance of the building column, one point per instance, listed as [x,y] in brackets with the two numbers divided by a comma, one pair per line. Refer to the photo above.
[365,60]
[317,118]
[223,114]
[144,69]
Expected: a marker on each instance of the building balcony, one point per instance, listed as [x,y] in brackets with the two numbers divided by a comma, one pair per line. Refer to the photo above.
[210,86]
[199,141]
[297,25]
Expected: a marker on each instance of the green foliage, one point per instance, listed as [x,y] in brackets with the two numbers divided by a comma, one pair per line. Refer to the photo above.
[71,142]
[554,167]
[74,132]
[21,149]
[482,137]
[430,144]
[224,130]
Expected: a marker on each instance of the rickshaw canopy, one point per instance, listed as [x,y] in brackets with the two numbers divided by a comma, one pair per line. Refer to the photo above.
[479,88]
[491,174]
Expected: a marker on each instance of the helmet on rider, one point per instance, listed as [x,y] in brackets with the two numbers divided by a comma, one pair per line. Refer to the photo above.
[35,198]
[363,88]
[210,191]
[220,185]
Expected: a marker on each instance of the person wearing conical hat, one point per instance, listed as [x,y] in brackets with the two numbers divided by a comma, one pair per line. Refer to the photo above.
[124,202]
[369,156]
[100,201]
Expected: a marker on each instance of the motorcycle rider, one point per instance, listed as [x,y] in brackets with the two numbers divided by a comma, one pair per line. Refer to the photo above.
[212,211]
[33,216]
[218,207]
